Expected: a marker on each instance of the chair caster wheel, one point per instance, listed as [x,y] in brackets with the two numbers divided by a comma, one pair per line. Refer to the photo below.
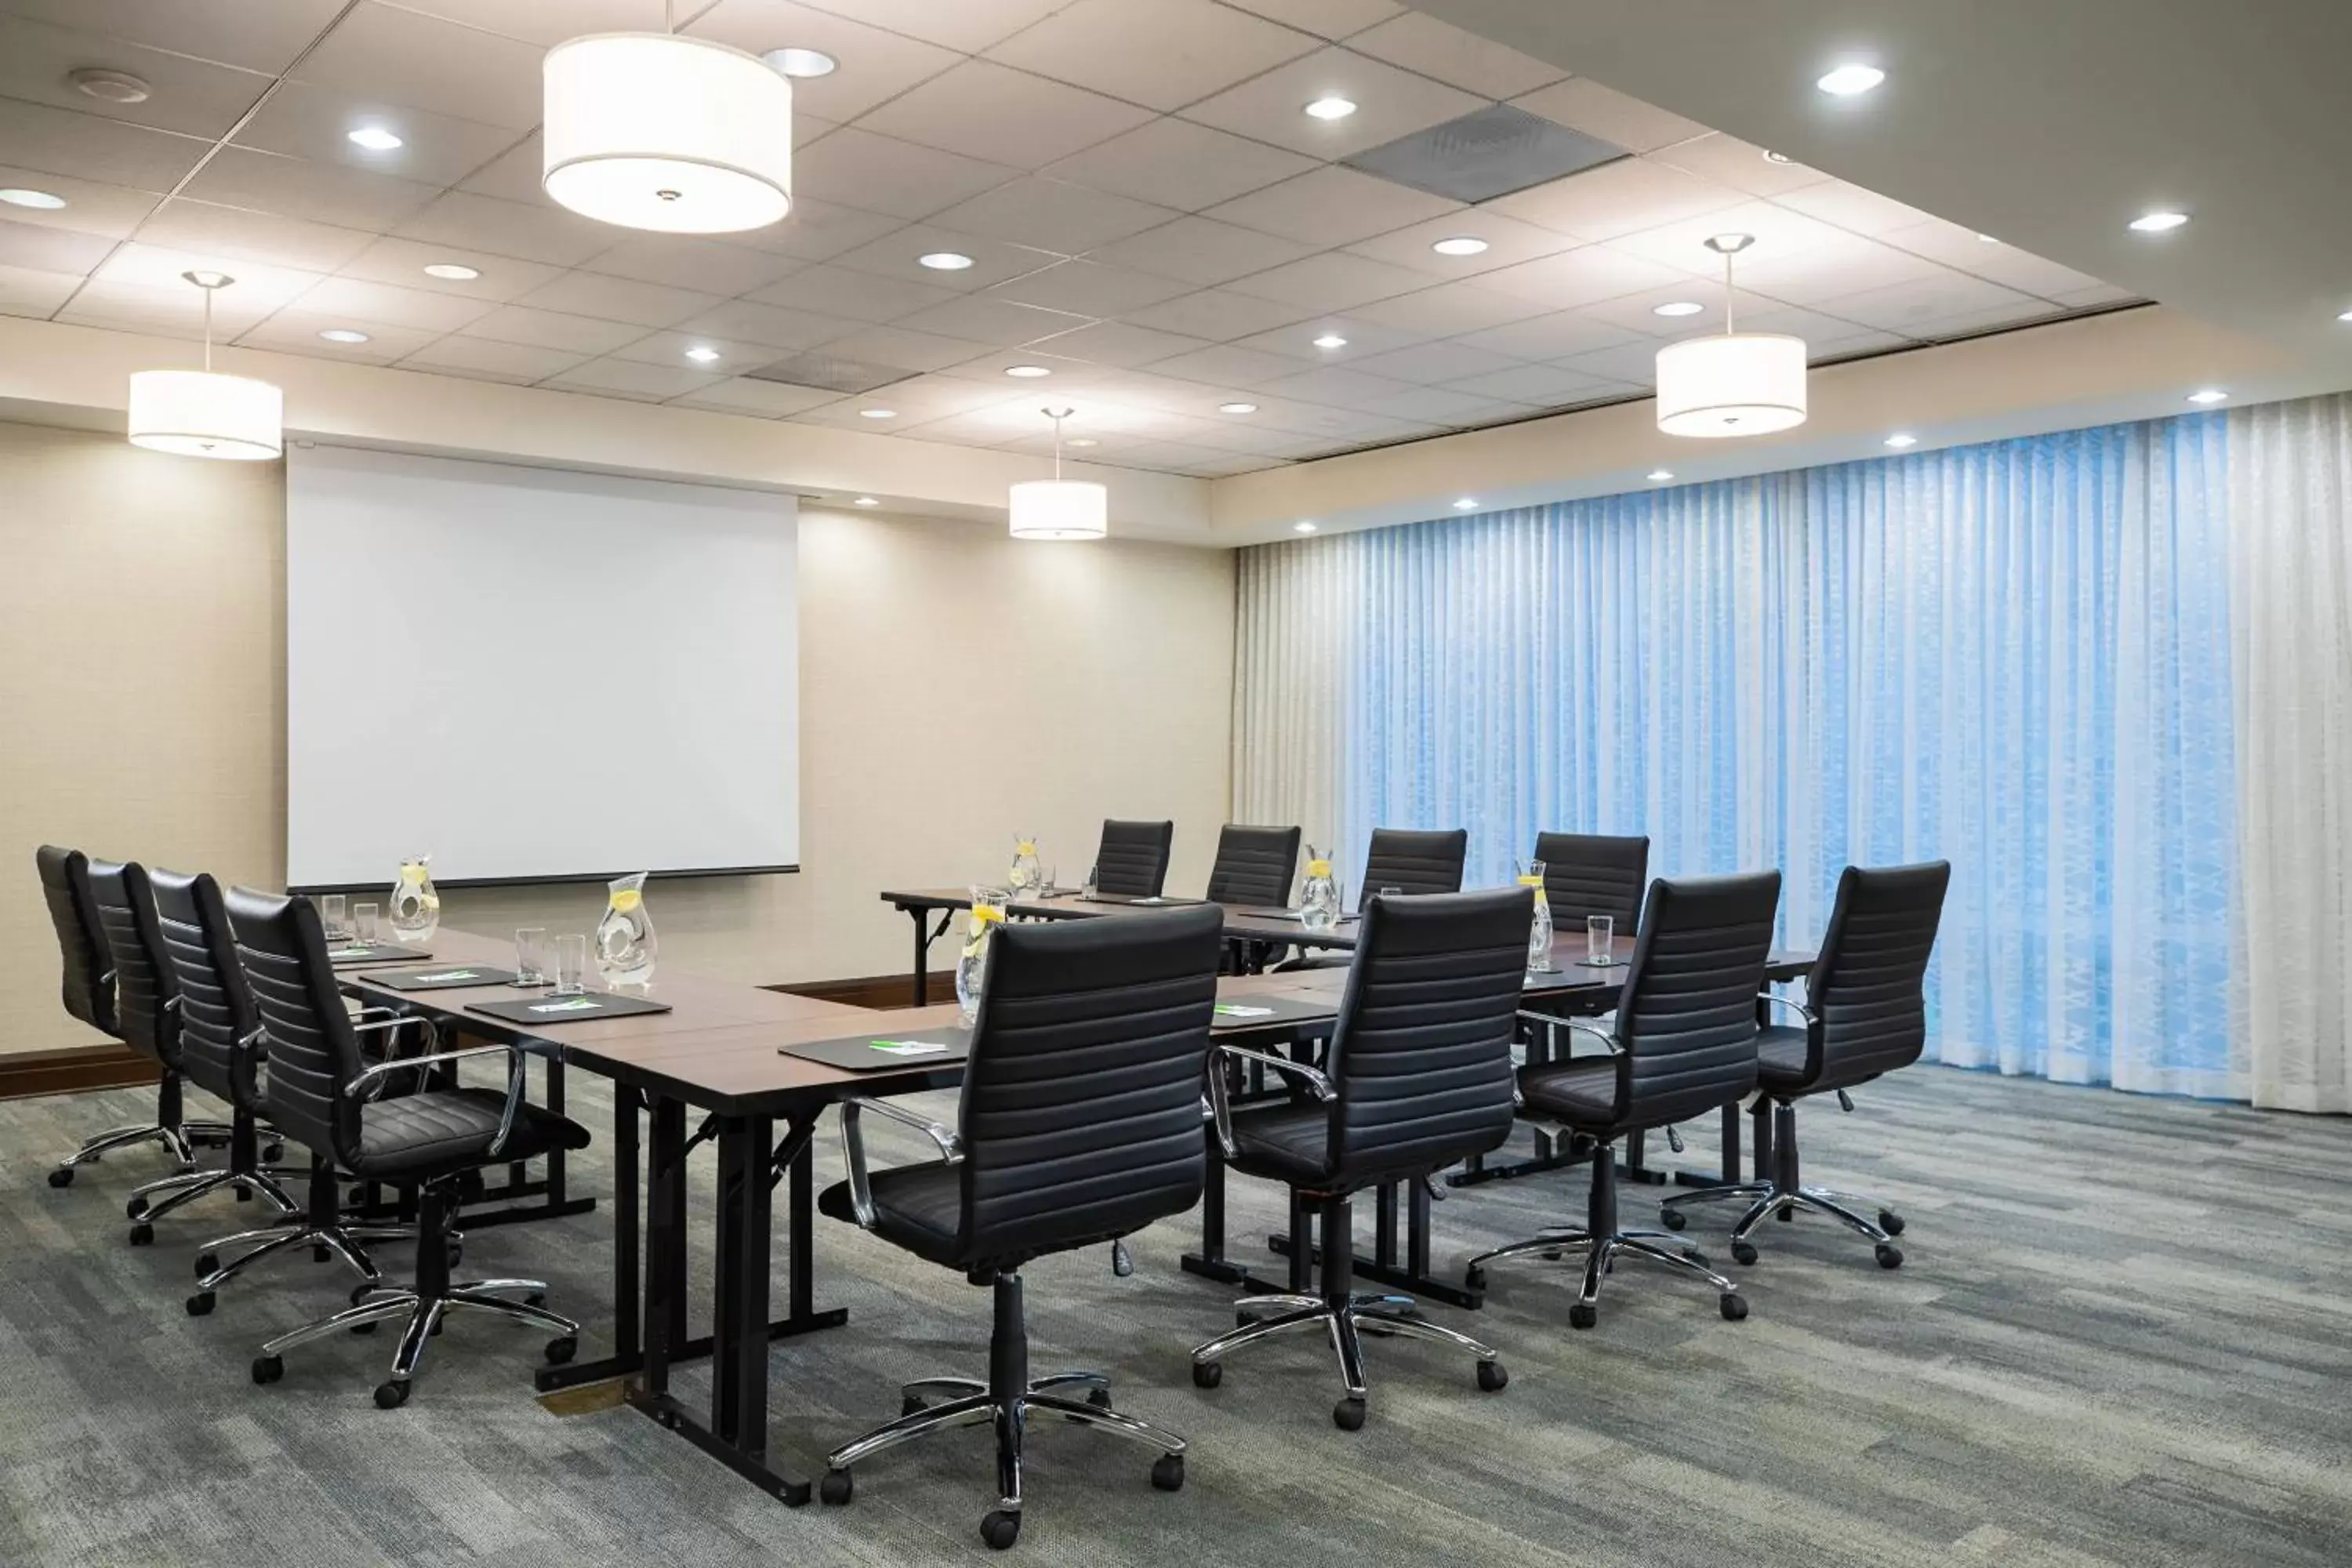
[1208,1373]
[1672,1219]
[1098,1397]
[273,1154]
[200,1305]
[1583,1315]
[1743,1252]
[1348,1415]
[439,1325]
[143,1234]
[392,1395]
[364,1328]
[268,1369]
[1492,1376]
[1000,1529]
[1889,1254]
[836,1487]
[910,1405]
[1168,1473]
[456,1254]
[1733,1306]
[561,1351]
[361,1294]
[61,1177]
[536,1299]
[207,1263]
[1890,1222]
[1474,1279]
[320,1254]
[135,1209]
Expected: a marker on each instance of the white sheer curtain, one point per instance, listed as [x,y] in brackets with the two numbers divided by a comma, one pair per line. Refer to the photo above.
[2291,580]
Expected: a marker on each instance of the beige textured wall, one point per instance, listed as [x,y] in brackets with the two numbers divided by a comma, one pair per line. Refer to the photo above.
[956,686]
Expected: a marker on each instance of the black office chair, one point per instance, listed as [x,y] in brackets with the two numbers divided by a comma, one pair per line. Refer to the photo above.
[428,1143]
[1416,862]
[1588,874]
[1254,867]
[1684,1045]
[1419,1077]
[1132,860]
[1866,1013]
[220,1050]
[1080,1123]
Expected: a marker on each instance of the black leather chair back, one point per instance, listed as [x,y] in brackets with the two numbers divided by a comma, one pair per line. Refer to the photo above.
[143,983]
[88,981]
[313,1053]
[1867,987]
[1132,861]
[1254,865]
[1687,1017]
[217,1012]
[1413,861]
[1081,1113]
[1588,874]
[1420,1055]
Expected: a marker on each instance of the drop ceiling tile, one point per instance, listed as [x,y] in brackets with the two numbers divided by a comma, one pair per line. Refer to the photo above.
[322,192]
[926,398]
[633,379]
[1443,405]
[1123,344]
[686,262]
[260,287]
[44,247]
[1860,345]
[486,360]
[1814,326]
[988,319]
[193,97]
[1963,324]
[901,348]
[1390,103]
[1427,365]
[304,120]
[1066,378]
[403,261]
[1579,277]
[1906,307]
[1449,310]
[819,231]
[514,175]
[735,357]
[2102,294]
[297,331]
[1583,104]
[1333,281]
[543,22]
[239,234]
[1337,388]
[432,64]
[1176,163]
[232,32]
[987,111]
[365,303]
[1224,468]
[1624,197]
[1508,242]
[1781,234]
[553,329]
[618,300]
[167,311]
[852,295]
[1555,336]
[1540,386]
[1635,363]
[1364,338]
[1218,315]
[26,292]
[1957,247]
[541,232]
[1458,59]
[967,25]
[1089,288]
[766,399]
[1228,364]
[1324,18]
[1332,206]
[854,167]
[898,255]
[771,325]
[1820,275]
[92,147]
[875,65]
[1202,251]
[1162,53]
[91,206]
[1638,312]
[1051,214]
[1728,161]
[1851,208]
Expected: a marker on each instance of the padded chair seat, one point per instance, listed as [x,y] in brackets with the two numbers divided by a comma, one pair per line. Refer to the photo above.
[1582,1091]
[419,1135]
[1781,1058]
[918,1207]
[1283,1144]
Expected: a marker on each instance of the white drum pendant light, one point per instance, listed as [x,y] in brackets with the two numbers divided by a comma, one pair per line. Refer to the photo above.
[1740,384]
[1059,508]
[199,415]
[653,130]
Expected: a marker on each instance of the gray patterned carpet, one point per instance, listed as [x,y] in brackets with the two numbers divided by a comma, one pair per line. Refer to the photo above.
[2118,1339]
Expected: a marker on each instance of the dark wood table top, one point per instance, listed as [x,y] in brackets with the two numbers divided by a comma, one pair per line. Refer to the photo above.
[1246,922]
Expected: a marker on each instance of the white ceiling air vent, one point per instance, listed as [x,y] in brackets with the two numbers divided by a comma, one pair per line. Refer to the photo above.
[1487,154]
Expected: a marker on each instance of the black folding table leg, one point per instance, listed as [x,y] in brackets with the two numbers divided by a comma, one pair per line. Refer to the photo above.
[739,1381]
[628,1350]
[923,961]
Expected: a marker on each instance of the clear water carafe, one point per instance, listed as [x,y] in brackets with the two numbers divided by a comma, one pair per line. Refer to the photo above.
[626,944]
[1318,896]
[1530,873]
[1026,874]
[971,964]
[416,907]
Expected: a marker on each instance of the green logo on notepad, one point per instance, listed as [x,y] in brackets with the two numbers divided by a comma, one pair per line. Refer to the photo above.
[571,1004]
[908,1047]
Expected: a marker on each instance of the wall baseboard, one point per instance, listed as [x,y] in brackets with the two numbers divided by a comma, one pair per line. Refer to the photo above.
[884,991]
[24,1074]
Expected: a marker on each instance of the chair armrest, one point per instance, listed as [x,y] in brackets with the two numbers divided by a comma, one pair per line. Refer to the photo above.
[1316,1082]
[516,1080]
[1580,1025]
[853,1147]
[1220,1101]
[1790,1002]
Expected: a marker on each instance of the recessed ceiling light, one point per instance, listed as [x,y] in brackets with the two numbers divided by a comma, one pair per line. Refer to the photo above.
[1772,157]
[109,86]
[375,139]
[945,260]
[2158,222]
[1903,439]
[2207,394]
[1988,239]
[801,62]
[41,199]
[1330,341]
[1331,107]
[866,500]
[1660,476]
[1302,528]
[1082,441]
[455,271]
[1236,408]
[1466,503]
[1460,244]
[344,335]
[1846,81]
[2347,316]
[702,353]
[1677,308]
[1027,372]
[877,414]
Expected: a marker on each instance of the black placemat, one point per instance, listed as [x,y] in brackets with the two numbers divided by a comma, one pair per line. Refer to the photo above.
[344,955]
[449,977]
[885,1052]
[553,1009]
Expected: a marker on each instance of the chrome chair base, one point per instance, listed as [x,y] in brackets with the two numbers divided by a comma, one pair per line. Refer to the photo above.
[1768,1200]
[341,1241]
[374,1304]
[1381,1316]
[158,1197]
[1601,1256]
[181,1140]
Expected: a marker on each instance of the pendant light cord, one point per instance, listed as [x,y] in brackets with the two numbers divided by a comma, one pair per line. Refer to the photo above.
[1729,306]
[1057,448]
[209,332]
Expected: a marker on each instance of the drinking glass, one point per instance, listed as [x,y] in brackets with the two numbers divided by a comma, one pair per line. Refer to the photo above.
[1093,884]
[531,955]
[1600,933]
[364,923]
[331,915]
[571,964]
[1050,882]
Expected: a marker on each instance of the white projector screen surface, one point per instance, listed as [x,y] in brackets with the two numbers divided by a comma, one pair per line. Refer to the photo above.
[532,673]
